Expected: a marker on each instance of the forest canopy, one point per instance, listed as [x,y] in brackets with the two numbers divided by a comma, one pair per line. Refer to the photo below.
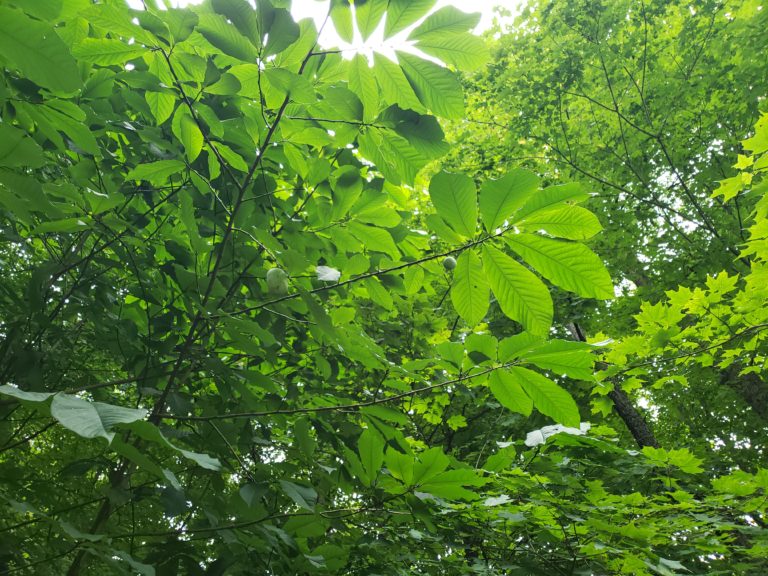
[491,304]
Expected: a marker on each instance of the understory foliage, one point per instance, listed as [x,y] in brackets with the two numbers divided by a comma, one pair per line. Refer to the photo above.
[269,307]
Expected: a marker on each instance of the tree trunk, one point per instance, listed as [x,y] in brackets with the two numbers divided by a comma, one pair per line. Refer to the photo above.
[633,419]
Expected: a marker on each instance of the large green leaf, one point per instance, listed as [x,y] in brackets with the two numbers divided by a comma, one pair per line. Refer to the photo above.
[156,172]
[250,23]
[431,463]
[403,13]
[375,238]
[392,154]
[521,295]
[464,51]
[450,484]
[92,419]
[548,398]
[226,37]
[24,395]
[455,199]
[368,15]
[17,148]
[148,431]
[445,22]
[569,265]
[394,86]
[83,417]
[400,465]
[304,496]
[63,116]
[500,198]
[469,288]
[37,52]
[341,16]
[552,196]
[436,87]
[572,359]
[370,446]
[161,104]
[118,20]
[563,221]
[187,131]
[363,84]
[282,32]
[106,52]
[507,390]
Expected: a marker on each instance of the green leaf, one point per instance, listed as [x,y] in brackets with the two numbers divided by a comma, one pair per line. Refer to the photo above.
[464,51]
[455,199]
[413,279]
[501,460]
[431,463]
[91,419]
[507,390]
[548,398]
[231,157]
[341,16]
[363,84]
[436,87]
[400,466]
[106,52]
[18,149]
[446,22]
[570,265]
[161,104]
[226,37]
[283,31]
[563,221]
[499,199]
[304,496]
[64,116]
[19,394]
[392,154]
[394,86]
[687,462]
[469,288]
[572,359]
[758,143]
[253,24]
[119,21]
[403,13]
[148,431]
[186,130]
[551,196]
[521,295]
[375,238]
[34,49]
[368,14]
[370,446]
[63,225]
[515,346]
[729,188]
[682,458]
[156,172]
[450,484]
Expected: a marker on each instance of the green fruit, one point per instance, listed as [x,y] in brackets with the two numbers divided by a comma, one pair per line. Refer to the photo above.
[277,281]
[449,262]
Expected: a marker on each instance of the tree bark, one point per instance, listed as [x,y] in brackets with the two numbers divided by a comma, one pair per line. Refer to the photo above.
[633,419]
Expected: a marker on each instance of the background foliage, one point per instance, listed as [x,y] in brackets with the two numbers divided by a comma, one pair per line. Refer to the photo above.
[266,307]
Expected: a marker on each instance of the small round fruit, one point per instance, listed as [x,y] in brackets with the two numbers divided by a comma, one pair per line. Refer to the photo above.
[449,262]
[277,281]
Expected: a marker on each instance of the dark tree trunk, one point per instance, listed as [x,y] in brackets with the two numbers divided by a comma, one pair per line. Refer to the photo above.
[632,418]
